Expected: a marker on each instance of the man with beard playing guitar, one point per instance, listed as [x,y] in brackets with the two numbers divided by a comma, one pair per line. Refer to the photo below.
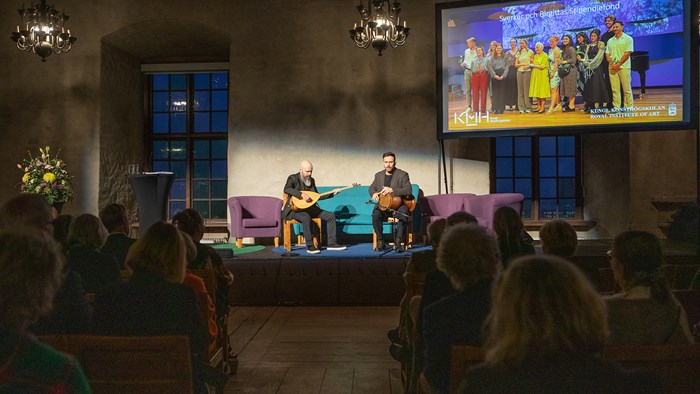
[296,186]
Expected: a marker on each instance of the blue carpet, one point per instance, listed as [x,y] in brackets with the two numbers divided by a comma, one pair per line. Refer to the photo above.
[363,250]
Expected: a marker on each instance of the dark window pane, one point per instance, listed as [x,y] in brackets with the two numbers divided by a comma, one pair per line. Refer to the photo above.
[548,188]
[176,206]
[548,166]
[567,208]
[504,146]
[219,100]
[567,166]
[160,123]
[178,81]
[201,101]
[218,189]
[219,80]
[523,167]
[548,209]
[178,150]
[218,209]
[160,101]
[178,168]
[161,166]
[201,81]
[567,145]
[504,167]
[160,150]
[160,82]
[523,146]
[504,185]
[178,191]
[201,149]
[178,101]
[524,186]
[178,122]
[219,122]
[567,188]
[203,208]
[548,146]
[201,169]
[218,149]
[218,169]
[527,209]
[201,122]
[201,189]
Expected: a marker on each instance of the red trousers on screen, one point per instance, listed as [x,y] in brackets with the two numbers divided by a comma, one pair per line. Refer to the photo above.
[480,88]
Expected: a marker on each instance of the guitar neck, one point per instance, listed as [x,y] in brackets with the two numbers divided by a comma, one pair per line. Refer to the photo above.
[333,191]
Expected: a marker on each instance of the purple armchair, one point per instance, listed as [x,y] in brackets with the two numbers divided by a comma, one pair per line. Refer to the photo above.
[440,206]
[255,216]
[483,207]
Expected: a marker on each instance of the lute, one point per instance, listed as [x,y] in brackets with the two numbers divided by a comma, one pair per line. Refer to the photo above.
[298,204]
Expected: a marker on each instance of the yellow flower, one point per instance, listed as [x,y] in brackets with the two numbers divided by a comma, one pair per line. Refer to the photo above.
[25,177]
[49,177]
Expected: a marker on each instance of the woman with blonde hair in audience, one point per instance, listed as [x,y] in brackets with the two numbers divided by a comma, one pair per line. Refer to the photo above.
[99,270]
[31,270]
[546,330]
[154,301]
[645,311]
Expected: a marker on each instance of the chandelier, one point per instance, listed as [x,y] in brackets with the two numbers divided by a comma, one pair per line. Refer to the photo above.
[379,27]
[42,31]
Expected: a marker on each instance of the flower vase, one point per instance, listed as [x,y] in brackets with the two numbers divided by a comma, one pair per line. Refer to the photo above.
[57,207]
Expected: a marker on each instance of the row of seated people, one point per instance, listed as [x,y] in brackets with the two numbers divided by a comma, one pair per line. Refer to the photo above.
[154,301]
[467,299]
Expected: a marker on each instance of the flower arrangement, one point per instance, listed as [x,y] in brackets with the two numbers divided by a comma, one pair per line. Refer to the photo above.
[46,175]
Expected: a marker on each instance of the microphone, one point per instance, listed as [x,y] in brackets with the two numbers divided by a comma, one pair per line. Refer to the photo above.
[370,202]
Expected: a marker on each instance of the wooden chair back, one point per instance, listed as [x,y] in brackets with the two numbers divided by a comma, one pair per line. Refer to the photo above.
[144,365]
[287,230]
[218,359]
[676,366]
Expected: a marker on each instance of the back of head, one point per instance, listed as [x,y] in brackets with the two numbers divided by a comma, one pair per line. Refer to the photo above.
[31,270]
[188,221]
[26,209]
[467,255]
[87,230]
[435,230]
[160,250]
[558,238]
[114,218]
[61,225]
[639,253]
[507,223]
[533,314]
[460,217]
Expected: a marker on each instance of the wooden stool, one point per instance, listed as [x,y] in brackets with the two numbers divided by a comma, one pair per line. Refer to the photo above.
[409,230]
[300,239]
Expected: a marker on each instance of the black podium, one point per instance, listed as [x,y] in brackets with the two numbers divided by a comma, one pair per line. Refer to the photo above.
[152,191]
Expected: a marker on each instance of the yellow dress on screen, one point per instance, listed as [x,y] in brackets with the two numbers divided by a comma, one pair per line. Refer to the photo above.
[539,82]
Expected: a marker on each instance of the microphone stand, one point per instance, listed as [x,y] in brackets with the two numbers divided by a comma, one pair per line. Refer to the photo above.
[394,229]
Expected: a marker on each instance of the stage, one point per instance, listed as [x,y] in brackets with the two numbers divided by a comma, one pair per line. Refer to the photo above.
[361,276]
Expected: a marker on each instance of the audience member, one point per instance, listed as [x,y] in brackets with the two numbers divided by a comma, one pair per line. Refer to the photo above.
[540,343]
[469,257]
[558,238]
[118,242]
[191,222]
[71,312]
[154,301]
[645,311]
[31,268]
[98,270]
[513,240]
[206,305]
[61,225]
[421,262]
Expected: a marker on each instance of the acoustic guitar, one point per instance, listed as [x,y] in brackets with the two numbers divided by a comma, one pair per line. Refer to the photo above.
[298,204]
[388,200]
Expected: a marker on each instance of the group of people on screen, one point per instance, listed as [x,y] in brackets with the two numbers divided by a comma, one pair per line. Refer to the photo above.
[538,317]
[595,67]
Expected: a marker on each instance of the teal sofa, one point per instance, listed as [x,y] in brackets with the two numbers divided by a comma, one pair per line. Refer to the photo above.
[353,213]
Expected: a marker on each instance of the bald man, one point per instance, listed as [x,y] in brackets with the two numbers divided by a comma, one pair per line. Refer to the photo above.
[296,185]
